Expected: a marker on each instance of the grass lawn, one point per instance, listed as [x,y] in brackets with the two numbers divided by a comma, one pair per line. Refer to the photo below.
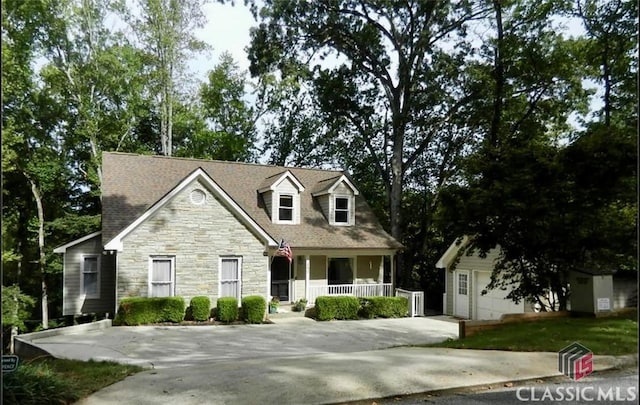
[49,380]
[611,336]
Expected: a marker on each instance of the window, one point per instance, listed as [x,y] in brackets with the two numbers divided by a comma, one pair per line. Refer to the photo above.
[285,210]
[339,271]
[198,197]
[230,277]
[90,282]
[341,210]
[161,276]
[462,283]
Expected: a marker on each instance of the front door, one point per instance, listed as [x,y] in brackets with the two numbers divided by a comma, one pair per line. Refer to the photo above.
[461,293]
[280,276]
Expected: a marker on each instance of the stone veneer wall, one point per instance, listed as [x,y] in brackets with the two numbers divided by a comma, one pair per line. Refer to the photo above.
[197,236]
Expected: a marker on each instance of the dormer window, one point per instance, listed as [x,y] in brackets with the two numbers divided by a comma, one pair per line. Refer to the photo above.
[285,209]
[341,211]
[281,196]
[336,197]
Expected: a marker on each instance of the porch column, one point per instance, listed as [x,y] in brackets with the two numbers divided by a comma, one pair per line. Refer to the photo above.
[307,267]
[393,275]
[381,276]
[115,310]
[355,272]
[268,278]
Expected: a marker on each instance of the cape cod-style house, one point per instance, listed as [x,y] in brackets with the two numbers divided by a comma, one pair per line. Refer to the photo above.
[189,227]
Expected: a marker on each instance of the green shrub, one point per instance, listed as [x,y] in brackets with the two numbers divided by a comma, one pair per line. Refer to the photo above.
[142,310]
[253,308]
[384,307]
[36,384]
[200,308]
[227,309]
[337,307]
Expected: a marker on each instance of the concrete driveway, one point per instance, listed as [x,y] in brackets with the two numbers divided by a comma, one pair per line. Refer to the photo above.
[181,346]
[296,361]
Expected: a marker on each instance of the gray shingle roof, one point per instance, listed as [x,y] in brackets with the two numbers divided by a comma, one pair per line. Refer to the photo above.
[133,183]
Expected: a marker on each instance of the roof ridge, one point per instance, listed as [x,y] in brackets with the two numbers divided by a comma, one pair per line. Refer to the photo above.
[225,162]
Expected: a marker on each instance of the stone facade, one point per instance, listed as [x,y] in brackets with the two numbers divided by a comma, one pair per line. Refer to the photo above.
[196,232]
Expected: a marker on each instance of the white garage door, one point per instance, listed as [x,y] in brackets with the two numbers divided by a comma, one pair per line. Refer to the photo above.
[493,304]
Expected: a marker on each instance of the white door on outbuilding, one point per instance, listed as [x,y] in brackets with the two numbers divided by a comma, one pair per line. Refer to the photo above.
[461,293]
[494,304]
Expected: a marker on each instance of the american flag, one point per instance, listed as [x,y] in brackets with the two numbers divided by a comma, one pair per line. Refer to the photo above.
[284,250]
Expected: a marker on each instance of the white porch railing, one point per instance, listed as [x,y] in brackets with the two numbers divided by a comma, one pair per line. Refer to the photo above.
[358,290]
[416,301]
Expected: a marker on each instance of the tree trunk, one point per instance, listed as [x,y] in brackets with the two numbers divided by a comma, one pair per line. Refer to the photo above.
[14,329]
[494,132]
[41,257]
[163,121]
[606,73]
[95,152]
[170,114]
[395,201]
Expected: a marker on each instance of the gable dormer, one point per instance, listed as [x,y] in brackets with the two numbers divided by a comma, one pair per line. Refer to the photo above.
[337,198]
[281,196]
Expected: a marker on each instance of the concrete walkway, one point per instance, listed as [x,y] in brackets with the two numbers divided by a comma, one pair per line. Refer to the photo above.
[296,361]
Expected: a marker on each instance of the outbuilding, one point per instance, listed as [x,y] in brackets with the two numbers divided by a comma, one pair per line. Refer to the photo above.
[591,291]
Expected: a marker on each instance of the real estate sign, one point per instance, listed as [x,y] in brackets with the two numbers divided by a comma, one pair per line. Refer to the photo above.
[9,363]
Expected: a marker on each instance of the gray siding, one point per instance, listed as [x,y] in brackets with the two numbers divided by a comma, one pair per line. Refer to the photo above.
[267,197]
[368,270]
[471,263]
[272,203]
[287,187]
[323,202]
[75,303]
[475,262]
[317,274]
[342,190]
[197,236]
[326,202]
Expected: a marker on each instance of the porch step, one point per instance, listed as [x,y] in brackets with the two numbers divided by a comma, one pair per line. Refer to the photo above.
[285,311]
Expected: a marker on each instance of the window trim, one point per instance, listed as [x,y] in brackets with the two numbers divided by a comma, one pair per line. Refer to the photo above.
[82,273]
[239,279]
[292,208]
[349,210]
[172,259]
[197,196]
[464,285]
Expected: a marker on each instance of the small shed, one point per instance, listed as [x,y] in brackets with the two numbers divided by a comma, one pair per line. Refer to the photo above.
[591,291]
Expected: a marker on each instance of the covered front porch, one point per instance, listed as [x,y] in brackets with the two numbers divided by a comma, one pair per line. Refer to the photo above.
[357,290]
[313,274]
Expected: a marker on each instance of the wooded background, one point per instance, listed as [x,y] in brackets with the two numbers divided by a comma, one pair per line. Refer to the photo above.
[513,121]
